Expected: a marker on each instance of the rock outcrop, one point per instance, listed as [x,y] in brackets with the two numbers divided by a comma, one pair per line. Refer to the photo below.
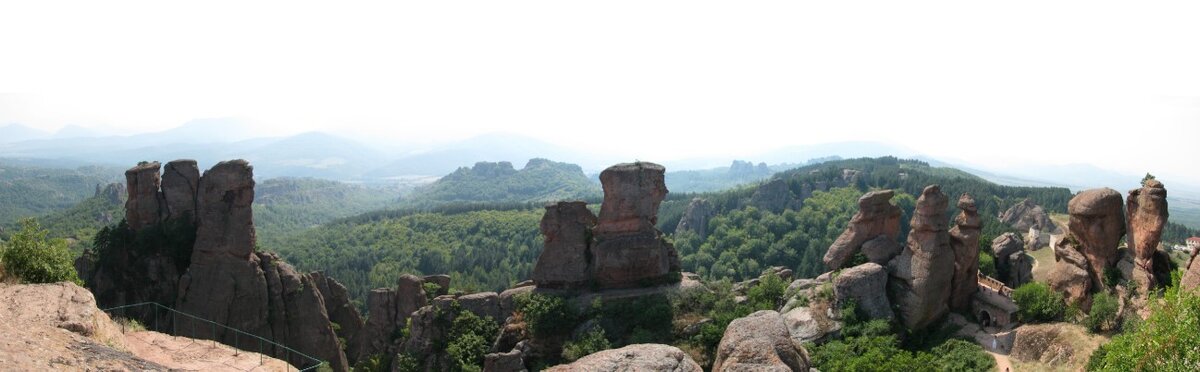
[1097,223]
[866,286]
[774,196]
[180,185]
[565,259]
[1027,214]
[142,206]
[1070,274]
[759,342]
[228,282]
[964,241]
[921,275]
[1146,210]
[1012,266]
[389,310]
[625,248]
[1191,274]
[338,306]
[695,217]
[876,218]
[637,357]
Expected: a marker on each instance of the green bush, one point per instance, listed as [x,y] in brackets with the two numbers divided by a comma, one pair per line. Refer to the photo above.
[1166,341]
[959,355]
[1103,315]
[591,342]
[545,315]
[769,291]
[470,338]
[646,319]
[987,264]
[34,258]
[1036,302]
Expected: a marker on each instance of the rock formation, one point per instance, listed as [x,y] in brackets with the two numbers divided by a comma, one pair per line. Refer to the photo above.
[625,248]
[866,286]
[142,206]
[1070,274]
[638,357]
[876,218]
[774,196]
[695,217]
[1146,210]
[1191,274]
[1097,223]
[220,277]
[180,185]
[114,193]
[964,240]
[759,342]
[564,262]
[1027,214]
[1012,266]
[389,310]
[921,275]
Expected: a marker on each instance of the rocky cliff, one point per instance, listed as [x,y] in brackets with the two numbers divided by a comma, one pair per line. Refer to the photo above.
[206,263]
[964,241]
[872,231]
[1027,214]
[1146,212]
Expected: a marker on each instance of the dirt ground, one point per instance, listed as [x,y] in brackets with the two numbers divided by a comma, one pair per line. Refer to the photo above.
[181,353]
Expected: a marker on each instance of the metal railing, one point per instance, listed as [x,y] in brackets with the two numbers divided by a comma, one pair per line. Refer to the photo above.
[311,363]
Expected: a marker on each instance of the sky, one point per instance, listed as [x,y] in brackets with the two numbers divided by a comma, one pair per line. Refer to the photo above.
[1113,84]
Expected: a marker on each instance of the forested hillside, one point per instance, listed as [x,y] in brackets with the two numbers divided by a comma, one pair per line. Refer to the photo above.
[491,247]
[285,206]
[540,180]
[27,191]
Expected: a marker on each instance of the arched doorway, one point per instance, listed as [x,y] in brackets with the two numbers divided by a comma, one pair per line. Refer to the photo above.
[985,318]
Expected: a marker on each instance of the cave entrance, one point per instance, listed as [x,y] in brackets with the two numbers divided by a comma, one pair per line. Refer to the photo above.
[985,319]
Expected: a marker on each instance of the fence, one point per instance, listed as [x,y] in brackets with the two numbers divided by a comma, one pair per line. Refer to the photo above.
[310,363]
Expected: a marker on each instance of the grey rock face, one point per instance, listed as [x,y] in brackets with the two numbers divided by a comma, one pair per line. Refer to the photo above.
[180,187]
[142,206]
[964,240]
[564,262]
[866,285]
[761,342]
[921,275]
[876,217]
[695,217]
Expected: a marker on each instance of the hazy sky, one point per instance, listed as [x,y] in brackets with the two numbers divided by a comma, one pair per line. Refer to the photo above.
[990,83]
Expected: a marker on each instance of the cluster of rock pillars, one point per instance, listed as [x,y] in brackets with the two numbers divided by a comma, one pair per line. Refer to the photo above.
[917,283]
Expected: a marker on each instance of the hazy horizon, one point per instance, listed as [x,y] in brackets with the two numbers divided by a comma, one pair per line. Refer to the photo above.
[1000,87]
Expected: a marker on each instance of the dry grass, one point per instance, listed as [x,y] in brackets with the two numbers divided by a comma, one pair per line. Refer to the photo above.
[1043,263]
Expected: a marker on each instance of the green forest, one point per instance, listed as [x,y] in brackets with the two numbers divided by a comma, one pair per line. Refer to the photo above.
[539,181]
[27,191]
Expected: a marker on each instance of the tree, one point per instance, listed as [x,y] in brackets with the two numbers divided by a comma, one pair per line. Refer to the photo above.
[1147,178]
[1166,341]
[1038,303]
[31,256]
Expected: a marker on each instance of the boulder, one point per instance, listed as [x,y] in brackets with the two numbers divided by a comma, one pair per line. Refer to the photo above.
[564,262]
[144,202]
[964,241]
[1027,214]
[1097,222]
[866,286]
[806,324]
[637,357]
[180,186]
[695,217]
[1146,211]
[1020,270]
[484,304]
[921,275]
[1191,275]
[762,342]
[876,217]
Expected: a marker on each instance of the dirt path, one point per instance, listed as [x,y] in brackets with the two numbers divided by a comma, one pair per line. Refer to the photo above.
[181,353]
[1002,362]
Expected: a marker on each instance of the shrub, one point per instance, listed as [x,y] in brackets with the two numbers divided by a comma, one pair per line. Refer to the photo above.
[1166,341]
[591,342]
[987,264]
[470,338]
[544,314]
[1038,303]
[1103,315]
[768,293]
[646,319]
[959,355]
[32,257]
